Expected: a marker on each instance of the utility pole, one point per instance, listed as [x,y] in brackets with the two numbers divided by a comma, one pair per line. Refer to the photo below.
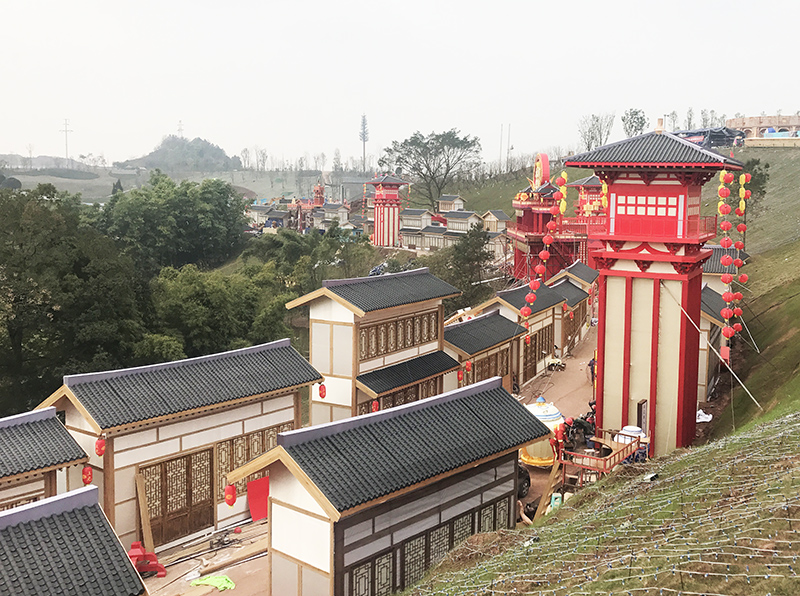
[66,132]
[180,128]
[508,151]
[500,168]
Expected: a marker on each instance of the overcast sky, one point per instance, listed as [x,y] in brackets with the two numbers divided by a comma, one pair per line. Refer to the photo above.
[294,76]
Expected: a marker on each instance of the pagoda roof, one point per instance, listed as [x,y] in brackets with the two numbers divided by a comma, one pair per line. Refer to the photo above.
[548,189]
[653,149]
[592,180]
[387,179]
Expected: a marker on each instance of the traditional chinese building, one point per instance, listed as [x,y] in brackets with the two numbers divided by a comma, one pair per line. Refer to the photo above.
[387,209]
[650,282]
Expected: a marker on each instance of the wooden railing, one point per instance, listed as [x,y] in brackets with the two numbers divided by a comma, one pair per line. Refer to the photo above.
[597,464]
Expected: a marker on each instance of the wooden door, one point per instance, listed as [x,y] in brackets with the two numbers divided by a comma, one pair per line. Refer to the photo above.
[179,496]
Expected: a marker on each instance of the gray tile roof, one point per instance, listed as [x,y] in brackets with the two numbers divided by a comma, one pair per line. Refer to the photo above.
[590,181]
[500,215]
[583,272]
[458,214]
[545,298]
[570,291]
[405,373]
[63,545]
[125,396]
[713,265]
[547,190]
[395,289]
[34,441]
[434,230]
[386,179]
[712,303]
[413,212]
[652,148]
[482,333]
[449,197]
[360,459]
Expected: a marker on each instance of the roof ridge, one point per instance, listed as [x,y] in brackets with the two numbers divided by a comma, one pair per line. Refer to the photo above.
[71,380]
[304,435]
[331,283]
[28,417]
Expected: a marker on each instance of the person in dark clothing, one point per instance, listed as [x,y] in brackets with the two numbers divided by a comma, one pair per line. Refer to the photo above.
[592,364]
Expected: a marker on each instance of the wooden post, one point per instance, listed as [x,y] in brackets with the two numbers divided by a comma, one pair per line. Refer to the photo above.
[144,514]
[548,491]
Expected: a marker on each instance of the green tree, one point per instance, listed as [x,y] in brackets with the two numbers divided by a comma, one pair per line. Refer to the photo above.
[634,122]
[434,161]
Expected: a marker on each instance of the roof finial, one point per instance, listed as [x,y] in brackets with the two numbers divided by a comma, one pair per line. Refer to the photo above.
[660,126]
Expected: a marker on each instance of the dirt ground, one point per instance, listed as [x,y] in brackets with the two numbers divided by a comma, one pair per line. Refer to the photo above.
[570,390]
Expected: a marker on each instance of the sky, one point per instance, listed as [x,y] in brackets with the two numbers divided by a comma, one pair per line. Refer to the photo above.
[294,77]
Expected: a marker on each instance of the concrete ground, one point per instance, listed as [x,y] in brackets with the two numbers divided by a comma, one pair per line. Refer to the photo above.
[570,390]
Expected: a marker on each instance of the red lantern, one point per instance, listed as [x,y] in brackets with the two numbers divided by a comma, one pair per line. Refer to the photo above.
[525,311]
[558,195]
[560,181]
[726,242]
[738,245]
[526,325]
[86,476]
[738,262]
[724,192]
[725,225]
[530,298]
[375,405]
[571,315]
[534,284]
[726,278]
[741,228]
[727,296]
[728,332]
[544,254]
[527,340]
[726,260]
[724,209]
[747,178]
[555,210]
[738,212]
[563,306]
[738,296]
[547,239]
[468,365]
[737,327]
[539,269]
[460,375]
[230,495]
[725,352]
[590,301]
[322,391]
[551,225]
[747,194]
[100,446]
[591,290]
[726,313]
[743,278]
[728,177]
[737,311]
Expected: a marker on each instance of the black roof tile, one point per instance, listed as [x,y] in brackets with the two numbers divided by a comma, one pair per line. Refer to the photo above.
[434,230]
[589,181]
[652,148]
[405,373]
[570,291]
[545,298]
[360,459]
[395,289]
[386,179]
[118,397]
[712,303]
[500,215]
[63,545]
[413,212]
[482,333]
[583,272]
[458,214]
[713,265]
[35,440]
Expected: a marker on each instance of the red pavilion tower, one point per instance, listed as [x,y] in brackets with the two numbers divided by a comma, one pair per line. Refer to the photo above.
[649,287]
[387,210]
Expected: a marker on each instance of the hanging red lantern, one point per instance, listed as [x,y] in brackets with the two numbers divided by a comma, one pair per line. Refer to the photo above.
[747,194]
[591,290]
[468,365]
[724,209]
[741,228]
[526,324]
[724,192]
[547,239]
[551,225]
[527,340]
[530,298]
[460,375]
[558,195]
[727,296]
[563,306]
[375,405]
[525,311]
[737,327]
[748,178]
[544,254]
[725,353]
[571,315]
[86,475]
[728,177]
[738,262]
[726,242]
[100,446]
[230,495]
[726,313]
[534,284]
[738,296]
[737,311]
[590,301]
[555,210]
[725,225]
[560,181]
[726,278]
[743,278]
[738,212]
[739,245]
[539,269]
[728,332]
[726,260]
[322,391]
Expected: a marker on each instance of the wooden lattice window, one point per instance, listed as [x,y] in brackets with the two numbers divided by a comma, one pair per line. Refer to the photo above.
[362,580]
[439,544]
[384,578]
[462,529]
[487,519]
[413,560]
[501,514]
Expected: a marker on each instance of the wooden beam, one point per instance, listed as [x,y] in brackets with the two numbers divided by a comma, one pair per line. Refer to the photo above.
[325,292]
[551,482]
[66,392]
[144,514]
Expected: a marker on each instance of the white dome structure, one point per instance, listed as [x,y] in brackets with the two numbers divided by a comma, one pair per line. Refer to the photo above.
[541,453]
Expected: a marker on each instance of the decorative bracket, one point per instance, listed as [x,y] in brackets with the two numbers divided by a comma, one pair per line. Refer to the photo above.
[643,265]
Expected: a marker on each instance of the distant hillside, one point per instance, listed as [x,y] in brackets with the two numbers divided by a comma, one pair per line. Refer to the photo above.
[177,154]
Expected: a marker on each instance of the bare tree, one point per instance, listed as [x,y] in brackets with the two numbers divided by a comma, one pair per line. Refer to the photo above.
[262,159]
[245,155]
[595,129]
[673,120]
[689,122]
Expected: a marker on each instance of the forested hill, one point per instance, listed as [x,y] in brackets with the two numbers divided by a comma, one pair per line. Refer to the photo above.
[178,154]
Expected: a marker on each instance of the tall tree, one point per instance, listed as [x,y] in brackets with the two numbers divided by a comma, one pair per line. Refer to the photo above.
[689,122]
[363,136]
[595,129]
[434,161]
[245,155]
[634,122]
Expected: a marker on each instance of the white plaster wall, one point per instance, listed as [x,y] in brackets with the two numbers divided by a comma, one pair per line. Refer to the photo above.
[72,417]
[337,391]
[451,352]
[320,349]
[612,367]
[87,444]
[18,491]
[227,515]
[641,344]
[301,536]
[285,487]
[668,363]
[343,343]
[187,427]
[329,310]
[509,314]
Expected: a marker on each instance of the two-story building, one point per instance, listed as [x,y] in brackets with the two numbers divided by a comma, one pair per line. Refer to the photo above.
[450,203]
